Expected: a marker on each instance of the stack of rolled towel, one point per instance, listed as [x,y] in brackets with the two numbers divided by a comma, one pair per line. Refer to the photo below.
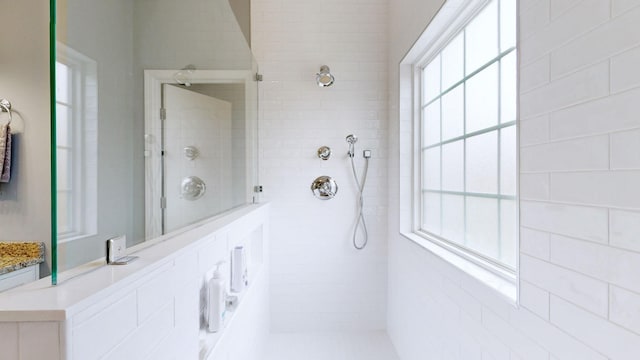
[5,153]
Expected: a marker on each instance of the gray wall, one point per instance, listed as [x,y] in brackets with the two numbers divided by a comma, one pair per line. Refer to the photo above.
[24,70]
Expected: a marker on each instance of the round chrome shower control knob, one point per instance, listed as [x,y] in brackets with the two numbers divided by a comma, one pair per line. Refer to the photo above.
[324,152]
[193,188]
[324,187]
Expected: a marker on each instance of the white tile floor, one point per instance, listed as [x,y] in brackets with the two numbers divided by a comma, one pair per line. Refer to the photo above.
[332,346]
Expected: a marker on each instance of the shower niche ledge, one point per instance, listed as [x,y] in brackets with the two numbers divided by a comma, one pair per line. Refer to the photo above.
[148,309]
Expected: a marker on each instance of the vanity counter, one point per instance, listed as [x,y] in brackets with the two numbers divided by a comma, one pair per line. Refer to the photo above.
[18,255]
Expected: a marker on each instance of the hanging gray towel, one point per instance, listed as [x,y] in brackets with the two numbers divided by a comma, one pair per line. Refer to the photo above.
[5,153]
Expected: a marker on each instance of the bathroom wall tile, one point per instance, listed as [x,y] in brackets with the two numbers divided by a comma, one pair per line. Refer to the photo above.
[615,266]
[582,18]
[156,292]
[625,308]
[582,86]
[96,336]
[624,70]
[534,130]
[625,150]
[559,7]
[619,7]
[589,153]
[534,243]
[612,113]
[583,222]
[624,227]
[607,338]
[559,343]
[535,299]
[147,336]
[599,188]
[311,261]
[521,344]
[587,292]
[534,186]
[581,52]
[535,17]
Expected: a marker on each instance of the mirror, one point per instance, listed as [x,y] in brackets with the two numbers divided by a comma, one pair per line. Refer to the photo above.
[156,118]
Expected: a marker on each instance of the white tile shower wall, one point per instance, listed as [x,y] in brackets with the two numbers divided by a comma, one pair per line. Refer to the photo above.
[319,281]
[579,211]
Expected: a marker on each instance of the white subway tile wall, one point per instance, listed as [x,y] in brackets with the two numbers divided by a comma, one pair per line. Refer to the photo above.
[580,205]
[319,281]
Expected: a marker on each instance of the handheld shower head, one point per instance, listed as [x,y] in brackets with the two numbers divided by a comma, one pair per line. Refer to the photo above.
[351,139]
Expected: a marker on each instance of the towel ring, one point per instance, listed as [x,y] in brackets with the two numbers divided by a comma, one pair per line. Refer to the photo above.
[6,107]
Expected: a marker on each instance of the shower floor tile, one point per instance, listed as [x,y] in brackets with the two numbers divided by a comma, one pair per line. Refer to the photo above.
[331,346]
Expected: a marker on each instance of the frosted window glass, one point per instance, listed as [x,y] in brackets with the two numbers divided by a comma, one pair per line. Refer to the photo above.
[482,38]
[482,163]
[508,161]
[62,125]
[62,83]
[482,99]
[453,166]
[507,24]
[63,163]
[508,88]
[482,226]
[453,62]
[508,232]
[453,113]
[431,213]
[453,218]
[431,80]
[432,123]
[63,210]
[431,169]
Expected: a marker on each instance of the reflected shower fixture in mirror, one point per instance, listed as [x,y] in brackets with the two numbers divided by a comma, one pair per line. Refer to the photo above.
[324,77]
[183,77]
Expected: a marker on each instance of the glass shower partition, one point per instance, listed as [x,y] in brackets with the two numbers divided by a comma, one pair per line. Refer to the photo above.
[154,120]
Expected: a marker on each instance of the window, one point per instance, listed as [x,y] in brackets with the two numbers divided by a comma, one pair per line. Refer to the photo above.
[76,143]
[465,136]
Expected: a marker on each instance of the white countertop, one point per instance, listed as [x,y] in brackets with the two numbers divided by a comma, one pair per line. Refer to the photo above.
[40,301]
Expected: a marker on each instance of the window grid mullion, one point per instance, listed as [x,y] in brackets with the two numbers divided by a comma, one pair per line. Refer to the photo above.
[440,141]
[499,112]
[466,77]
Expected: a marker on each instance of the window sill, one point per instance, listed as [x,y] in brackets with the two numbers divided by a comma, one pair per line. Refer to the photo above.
[507,288]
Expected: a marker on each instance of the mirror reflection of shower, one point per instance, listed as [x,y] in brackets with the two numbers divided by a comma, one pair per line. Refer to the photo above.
[324,77]
[360,221]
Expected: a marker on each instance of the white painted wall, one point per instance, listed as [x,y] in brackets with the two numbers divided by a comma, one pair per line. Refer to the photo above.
[24,70]
[579,212]
[319,281]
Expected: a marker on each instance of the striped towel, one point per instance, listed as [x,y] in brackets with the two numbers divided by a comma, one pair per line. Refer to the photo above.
[5,153]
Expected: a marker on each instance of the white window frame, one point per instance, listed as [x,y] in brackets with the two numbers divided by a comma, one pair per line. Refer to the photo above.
[448,23]
[82,169]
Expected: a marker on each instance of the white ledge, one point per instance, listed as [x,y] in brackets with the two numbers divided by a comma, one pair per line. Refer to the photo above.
[504,287]
[40,301]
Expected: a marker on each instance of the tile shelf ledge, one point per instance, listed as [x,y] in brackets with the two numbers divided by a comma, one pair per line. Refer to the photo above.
[82,286]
